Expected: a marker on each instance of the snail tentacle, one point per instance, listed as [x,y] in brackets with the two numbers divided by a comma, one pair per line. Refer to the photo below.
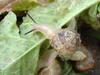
[45,29]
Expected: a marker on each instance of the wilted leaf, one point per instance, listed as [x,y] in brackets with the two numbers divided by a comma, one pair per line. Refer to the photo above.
[6,5]
[18,56]
[19,5]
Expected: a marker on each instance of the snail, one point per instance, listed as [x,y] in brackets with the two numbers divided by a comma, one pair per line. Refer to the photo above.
[66,42]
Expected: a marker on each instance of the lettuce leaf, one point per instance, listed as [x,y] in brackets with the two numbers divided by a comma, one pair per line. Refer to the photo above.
[18,56]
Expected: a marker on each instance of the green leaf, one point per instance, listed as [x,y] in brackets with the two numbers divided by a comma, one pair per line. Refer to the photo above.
[90,16]
[18,56]
[19,53]
[57,14]
[68,70]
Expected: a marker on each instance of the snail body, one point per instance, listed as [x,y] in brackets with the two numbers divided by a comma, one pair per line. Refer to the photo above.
[66,43]
[63,41]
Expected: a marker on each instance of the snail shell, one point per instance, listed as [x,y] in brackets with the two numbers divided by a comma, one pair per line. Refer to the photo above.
[65,43]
